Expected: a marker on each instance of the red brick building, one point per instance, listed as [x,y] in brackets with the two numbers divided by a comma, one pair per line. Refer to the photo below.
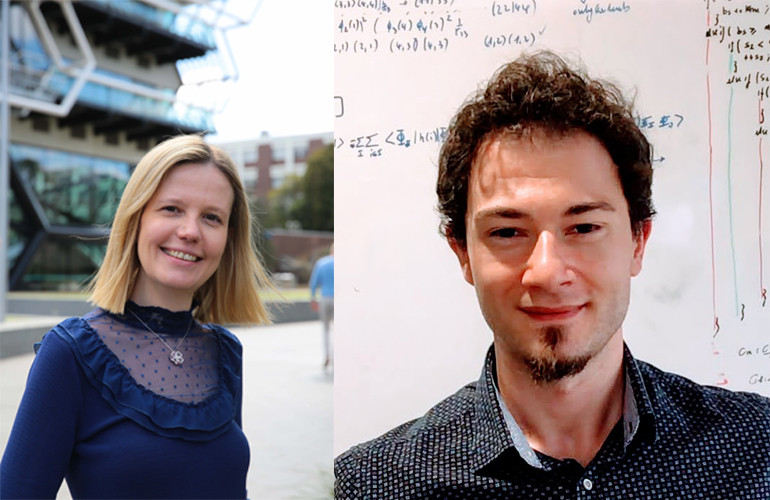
[265,162]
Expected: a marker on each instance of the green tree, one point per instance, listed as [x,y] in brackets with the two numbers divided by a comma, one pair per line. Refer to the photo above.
[284,204]
[316,211]
[306,201]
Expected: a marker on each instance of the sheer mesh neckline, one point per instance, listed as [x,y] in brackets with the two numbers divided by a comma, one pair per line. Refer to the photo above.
[145,358]
[162,415]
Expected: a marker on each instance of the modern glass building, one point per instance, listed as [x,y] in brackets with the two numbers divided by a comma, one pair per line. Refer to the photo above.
[93,87]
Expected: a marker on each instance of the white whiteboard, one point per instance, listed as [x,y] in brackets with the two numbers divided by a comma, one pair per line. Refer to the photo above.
[408,329]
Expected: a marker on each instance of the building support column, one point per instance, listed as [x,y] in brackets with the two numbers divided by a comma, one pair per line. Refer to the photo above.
[5,107]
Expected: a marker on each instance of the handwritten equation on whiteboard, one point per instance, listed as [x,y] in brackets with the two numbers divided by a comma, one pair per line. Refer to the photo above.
[738,58]
[756,354]
[744,32]
[420,26]
[737,40]
[375,144]
[427,26]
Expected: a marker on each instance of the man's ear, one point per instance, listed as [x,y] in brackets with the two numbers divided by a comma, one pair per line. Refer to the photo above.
[461,251]
[640,242]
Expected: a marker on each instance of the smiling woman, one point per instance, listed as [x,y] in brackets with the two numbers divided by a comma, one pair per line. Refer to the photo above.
[183,235]
[229,296]
[141,397]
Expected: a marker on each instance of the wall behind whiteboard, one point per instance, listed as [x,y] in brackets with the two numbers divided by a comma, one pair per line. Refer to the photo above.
[408,330]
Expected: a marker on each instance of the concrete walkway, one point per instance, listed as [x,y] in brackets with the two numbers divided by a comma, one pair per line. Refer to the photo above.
[287,413]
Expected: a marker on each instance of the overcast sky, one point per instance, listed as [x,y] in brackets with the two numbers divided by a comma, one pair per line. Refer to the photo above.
[285,60]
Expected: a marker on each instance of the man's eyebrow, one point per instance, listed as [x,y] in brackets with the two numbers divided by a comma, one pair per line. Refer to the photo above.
[512,213]
[506,213]
[589,207]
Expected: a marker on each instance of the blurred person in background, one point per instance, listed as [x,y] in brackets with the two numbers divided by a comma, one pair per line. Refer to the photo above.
[323,277]
[141,397]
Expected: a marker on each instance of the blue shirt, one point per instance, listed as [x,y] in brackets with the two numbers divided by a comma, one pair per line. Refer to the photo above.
[85,418]
[676,439]
[323,276]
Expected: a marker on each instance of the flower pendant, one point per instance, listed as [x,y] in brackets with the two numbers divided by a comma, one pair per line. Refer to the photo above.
[176,357]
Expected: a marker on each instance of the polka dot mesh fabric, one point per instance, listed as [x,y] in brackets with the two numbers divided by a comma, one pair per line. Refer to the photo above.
[146,358]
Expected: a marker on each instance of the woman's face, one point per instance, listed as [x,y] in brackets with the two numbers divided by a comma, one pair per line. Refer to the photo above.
[183,232]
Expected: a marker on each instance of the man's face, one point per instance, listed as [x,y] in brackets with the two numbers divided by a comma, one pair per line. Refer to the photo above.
[549,249]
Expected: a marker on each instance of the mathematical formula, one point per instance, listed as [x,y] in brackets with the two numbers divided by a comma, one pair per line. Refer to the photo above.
[376,144]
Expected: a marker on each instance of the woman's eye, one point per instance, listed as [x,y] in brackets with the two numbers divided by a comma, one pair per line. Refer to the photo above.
[170,208]
[213,218]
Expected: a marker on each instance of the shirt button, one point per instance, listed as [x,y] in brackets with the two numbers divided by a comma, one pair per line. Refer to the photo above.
[587,484]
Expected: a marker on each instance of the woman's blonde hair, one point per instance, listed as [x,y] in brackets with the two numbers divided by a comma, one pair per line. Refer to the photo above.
[230,295]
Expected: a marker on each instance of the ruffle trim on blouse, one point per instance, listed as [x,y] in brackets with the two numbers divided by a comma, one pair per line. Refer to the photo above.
[202,421]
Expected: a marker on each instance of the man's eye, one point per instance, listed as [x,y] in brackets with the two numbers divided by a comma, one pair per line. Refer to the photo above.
[506,232]
[585,228]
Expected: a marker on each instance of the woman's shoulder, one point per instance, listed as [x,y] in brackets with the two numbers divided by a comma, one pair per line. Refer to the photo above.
[230,353]
[56,349]
[70,324]
[68,330]
[78,333]
[225,337]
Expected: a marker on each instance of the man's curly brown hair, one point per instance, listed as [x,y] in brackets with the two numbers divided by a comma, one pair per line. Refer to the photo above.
[540,92]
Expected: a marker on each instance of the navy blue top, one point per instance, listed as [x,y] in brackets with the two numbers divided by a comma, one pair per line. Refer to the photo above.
[677,440]
[83,416]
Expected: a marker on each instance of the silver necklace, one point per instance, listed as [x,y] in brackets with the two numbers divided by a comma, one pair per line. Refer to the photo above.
[175,354]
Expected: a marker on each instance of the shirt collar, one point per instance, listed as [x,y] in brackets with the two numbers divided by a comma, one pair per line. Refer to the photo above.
[489,433]
[496,431]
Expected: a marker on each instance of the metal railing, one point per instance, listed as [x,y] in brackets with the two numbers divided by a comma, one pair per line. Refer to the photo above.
[180,23]
[37,78]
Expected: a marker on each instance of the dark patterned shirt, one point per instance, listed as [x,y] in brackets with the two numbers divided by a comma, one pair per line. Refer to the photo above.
[676,439]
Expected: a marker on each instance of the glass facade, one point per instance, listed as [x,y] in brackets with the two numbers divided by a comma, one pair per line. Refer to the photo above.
[73,189]
[142,106]
[60,264]
[60,190]
[128,103]
[19,231]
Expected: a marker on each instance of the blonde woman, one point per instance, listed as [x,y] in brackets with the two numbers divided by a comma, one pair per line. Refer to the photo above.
[141,398]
